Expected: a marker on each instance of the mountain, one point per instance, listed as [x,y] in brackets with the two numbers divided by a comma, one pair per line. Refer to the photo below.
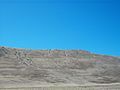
[54,67]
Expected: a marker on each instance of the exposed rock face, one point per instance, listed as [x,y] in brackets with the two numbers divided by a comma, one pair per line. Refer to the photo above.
[43,53]
[57,66]
[3,51]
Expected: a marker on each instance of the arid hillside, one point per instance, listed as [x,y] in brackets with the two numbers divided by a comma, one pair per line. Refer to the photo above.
[44,67]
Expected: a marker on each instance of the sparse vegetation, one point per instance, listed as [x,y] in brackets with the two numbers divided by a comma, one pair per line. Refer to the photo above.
[57,67]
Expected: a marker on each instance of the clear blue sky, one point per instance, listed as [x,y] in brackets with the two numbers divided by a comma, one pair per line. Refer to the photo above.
[92,25]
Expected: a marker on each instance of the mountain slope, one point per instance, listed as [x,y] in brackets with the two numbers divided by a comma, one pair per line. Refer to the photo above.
[43,67]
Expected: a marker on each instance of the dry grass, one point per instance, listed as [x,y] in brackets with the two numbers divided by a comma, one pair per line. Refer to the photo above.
[90,87]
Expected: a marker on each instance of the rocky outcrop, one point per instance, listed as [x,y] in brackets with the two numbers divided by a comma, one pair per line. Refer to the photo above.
[3,51]
[42,53]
